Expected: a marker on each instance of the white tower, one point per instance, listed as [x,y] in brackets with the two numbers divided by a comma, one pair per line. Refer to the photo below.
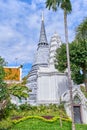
[40,59]
[54,44]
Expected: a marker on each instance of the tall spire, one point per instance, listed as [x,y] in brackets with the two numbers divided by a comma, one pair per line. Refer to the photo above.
[42,16]
[43,38]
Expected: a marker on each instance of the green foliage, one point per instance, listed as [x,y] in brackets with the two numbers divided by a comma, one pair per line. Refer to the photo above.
[78,57]
[11,106]
[3,91]
[40,123]
[41,110]
[81,31]
[2,62]
[40,118]
[5,124]
[3,87]
[2,73]
[78,54]
[24,80]
[61,60]
[63,4]
[50,109]
[4,96]
[81,36]
[25,107]
[4,113]
[61,106]
[15,113]
[19,90]
[37,122]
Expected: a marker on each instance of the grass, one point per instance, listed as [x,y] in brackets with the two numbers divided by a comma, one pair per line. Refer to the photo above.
[37,124]
[27,110]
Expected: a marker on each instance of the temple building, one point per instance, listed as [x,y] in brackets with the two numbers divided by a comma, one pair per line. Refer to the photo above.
[47,85]
[45,82]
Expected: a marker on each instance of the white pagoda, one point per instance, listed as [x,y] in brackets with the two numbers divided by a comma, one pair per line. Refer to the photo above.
[46,84]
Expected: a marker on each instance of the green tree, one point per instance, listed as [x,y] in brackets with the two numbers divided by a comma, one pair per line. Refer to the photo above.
[19,90]
[3,89]
[81,31]
[2,73]
[81,36]
[78,55]
[2,61]
[66,6]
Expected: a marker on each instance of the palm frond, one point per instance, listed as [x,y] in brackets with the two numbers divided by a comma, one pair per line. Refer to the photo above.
[63,4]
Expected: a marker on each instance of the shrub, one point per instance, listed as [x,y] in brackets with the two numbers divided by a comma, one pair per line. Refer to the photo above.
[61,106]
[14,113]
[41,108]
[5,124]
[4,113]
[25,107]
[41,118]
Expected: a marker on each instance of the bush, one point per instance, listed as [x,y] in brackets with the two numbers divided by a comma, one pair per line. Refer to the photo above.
[7,110]
[25,107]
[5,124]
[4,113]
[61,106]
[41,118]
[41,108]
[12,106]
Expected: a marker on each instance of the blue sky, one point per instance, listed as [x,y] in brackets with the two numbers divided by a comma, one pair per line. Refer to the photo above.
[20,22]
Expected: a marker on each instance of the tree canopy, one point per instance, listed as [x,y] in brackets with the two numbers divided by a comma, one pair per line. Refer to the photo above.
[19,90]
[81,31]
[78,55]
[63,4]
[3,88]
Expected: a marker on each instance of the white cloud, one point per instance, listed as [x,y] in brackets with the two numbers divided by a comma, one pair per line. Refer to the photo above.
[20,23]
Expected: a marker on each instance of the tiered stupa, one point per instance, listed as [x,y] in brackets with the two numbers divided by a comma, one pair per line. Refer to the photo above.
[40,59]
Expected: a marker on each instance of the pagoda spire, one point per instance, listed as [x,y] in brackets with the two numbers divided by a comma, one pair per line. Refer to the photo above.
[43,38]
[42,16]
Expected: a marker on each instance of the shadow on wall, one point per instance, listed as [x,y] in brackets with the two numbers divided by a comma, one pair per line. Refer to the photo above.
[62,86]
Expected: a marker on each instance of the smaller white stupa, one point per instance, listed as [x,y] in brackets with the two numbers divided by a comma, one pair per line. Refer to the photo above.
[54,44]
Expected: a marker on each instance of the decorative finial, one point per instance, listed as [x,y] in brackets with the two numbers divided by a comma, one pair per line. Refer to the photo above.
[43,38]
[42,16]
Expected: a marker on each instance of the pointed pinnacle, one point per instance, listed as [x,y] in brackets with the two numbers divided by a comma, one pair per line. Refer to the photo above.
[42,16]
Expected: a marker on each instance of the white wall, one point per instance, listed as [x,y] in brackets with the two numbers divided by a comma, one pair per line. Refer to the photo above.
[49,87]
[66,98]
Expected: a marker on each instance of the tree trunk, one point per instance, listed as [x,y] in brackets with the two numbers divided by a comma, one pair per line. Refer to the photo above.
[68,65]
[60,122]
